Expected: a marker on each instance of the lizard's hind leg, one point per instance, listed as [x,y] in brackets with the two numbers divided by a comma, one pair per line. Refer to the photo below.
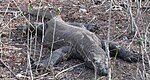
[120,52]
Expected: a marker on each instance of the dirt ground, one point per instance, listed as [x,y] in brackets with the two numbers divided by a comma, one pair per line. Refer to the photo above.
[14,47]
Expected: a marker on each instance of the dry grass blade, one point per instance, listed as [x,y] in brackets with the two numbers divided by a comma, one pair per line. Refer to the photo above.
[68,69]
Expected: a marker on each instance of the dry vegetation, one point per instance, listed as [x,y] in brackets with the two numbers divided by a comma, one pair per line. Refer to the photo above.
[128,25]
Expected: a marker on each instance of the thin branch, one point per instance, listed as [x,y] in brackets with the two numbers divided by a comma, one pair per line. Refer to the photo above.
[108,38]
[68,69]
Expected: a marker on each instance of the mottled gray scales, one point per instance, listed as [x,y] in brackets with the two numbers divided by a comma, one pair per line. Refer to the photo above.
[74,40]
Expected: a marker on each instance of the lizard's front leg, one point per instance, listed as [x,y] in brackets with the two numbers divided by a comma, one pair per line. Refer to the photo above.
[57,56]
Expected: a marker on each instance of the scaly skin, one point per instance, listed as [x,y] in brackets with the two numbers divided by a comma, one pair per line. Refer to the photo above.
[77,42]
[82,42]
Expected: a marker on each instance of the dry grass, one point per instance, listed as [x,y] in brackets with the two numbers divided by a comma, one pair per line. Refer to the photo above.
[127,25]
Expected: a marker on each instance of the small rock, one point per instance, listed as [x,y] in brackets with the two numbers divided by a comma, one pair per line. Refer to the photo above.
[1,1]
[97,2]
[81,10]
[4,34]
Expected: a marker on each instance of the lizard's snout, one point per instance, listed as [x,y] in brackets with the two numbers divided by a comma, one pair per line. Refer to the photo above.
[102,69]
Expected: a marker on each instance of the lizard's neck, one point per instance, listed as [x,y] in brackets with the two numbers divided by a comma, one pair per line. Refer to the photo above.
[57,18]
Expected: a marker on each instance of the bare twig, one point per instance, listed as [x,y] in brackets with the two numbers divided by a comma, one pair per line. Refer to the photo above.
[108,38]
[121,34]
[43,31]
[41,76]
[29,42]
[68,69]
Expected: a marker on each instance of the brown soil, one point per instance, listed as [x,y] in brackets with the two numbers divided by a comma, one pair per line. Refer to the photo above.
[13,46]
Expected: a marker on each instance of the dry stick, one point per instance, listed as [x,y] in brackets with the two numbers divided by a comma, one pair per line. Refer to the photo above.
[28,54]
[36,30]
[107,44]
[137,31]
[35,44]
[142,48]
[1,44]
[140,74]
[1,61]
[94,17]
[146,43]
[38,11]
[29,41]
[52,45]
[22,76]
[8,23]
[95,71]
[146,7]
[138,8]
[68,69]
[120,34]
[137,69]
[7,9]
[145,47]
[23,14]
[41,49]
[103,2]
[41,76]
[133,22]
[93,64]
[0,32]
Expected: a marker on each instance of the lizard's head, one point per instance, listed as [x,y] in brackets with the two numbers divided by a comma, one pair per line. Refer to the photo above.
[100,64]
[95,55]
[101,68]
